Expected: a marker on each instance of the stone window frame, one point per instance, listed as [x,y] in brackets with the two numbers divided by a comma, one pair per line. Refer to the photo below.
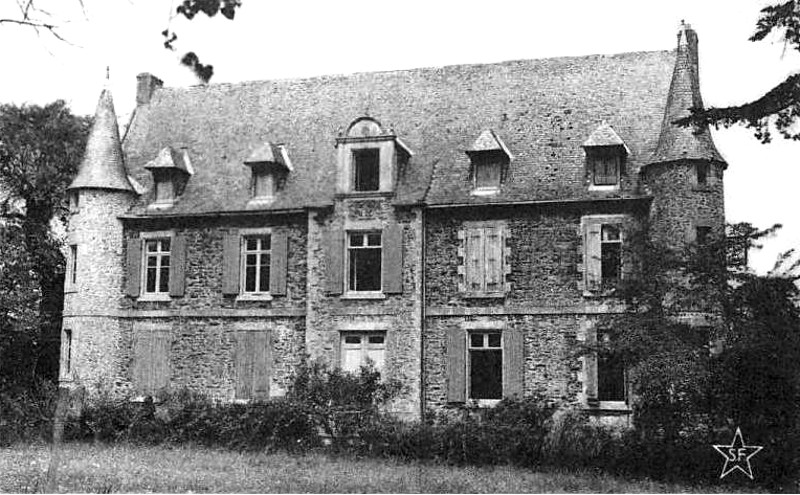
[363,347]
[463,255]
[66,368]
[158,295]
[264,295]
[589,287]
[71,275]
[590,378]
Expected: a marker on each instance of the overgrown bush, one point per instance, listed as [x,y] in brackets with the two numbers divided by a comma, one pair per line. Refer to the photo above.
[26,413]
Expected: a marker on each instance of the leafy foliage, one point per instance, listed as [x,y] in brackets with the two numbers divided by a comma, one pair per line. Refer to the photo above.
[40,149]
[780,106]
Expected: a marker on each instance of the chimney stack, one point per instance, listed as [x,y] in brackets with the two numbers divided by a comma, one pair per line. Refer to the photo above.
[146,84]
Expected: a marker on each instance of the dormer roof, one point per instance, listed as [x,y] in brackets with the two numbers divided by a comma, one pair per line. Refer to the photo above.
[171,159]
[270,153]
[605,135]
[489,141]
[103,166]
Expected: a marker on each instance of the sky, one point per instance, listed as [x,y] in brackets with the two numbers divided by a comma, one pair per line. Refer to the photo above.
[302,38]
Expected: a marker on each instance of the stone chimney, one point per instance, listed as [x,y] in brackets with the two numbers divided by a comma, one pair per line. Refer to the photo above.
[146,84]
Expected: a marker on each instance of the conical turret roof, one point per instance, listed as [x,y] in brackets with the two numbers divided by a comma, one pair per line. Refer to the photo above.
[682,143]
[103,166]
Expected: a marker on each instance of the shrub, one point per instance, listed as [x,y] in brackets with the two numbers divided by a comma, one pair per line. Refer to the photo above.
[26,414]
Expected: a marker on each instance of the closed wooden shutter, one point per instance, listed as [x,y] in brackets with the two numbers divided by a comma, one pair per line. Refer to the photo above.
[393,259]
[244,365]
[475,260]
[160,361]
[513,363]
[456,365]
[278,264]
[141,365]
[177,266]
[494,258]
[591,260]
[335,271]
[134,248]
[590,370]
[262,364]
[231,251]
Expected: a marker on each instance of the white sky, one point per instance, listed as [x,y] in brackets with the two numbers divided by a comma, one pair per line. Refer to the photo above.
[271,39]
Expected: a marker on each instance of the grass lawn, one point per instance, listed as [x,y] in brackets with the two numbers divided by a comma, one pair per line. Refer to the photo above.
[125,468]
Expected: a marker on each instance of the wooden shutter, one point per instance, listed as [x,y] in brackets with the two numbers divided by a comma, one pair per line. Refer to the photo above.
[475,260]
[590,371]
[231,251]
[177,266]
[335,271]
[393,259]
[262,364]
[244,365]
[141,362]
[591,259]
[278,263]
[134,248]
[494,258]
[513,363]
[456,365]
[160,361]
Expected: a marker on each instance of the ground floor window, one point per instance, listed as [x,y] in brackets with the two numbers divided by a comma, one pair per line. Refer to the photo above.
[610,377]
[485,364]
[363,348]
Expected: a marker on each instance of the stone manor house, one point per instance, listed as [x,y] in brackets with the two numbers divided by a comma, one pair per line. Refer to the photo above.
[462,228]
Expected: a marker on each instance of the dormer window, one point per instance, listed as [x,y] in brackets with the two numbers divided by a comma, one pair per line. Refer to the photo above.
[171,170]
[489,159]
[366,169]
[605,158]
[269,164]
[369,158]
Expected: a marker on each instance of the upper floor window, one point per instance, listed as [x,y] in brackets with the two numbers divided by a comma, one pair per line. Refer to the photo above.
[605,169]
[164,190]
[605,157]
[484,259]
[364,253]
[270,166]
[705,174]
[156,266]
[72,266]
[611,254]
[171,170]
[489,158]
[256,264]
[604,252]
[74,201]
[366,169]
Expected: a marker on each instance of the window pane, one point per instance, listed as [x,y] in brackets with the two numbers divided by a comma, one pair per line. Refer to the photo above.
[366,166]
[365,269]
[250,279]
[486,375]
[376,339]
[610,233]
[250,260]
[476,340]
[251,243]
[611,261]
[164,245]
[165,260]
[263,276]
[150,284]
[356,239]
[702,173]
[373,239]
[151,246]
[352,339]
[610,379]
[163,281]
[494,340]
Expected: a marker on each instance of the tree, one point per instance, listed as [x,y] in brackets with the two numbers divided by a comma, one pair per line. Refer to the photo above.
[780,106]
[31,15]
[40,149]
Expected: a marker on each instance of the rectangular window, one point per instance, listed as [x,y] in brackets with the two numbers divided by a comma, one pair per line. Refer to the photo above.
[255,263]
[610,377]
[364,261]
[703,235]
[156,266]
[605,169]
[74,201]
[366,169]
[702,170]
[164,191]
[487,174]
[67,346]
[610,254]
[72,265]
[484,260]
[485,365]
[362,349]
[263,184]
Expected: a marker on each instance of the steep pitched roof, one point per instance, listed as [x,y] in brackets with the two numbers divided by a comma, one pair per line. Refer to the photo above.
[544,110]
[678,143]
[103,166]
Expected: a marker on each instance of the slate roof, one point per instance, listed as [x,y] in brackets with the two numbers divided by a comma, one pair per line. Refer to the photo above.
[544,110]
[103,166]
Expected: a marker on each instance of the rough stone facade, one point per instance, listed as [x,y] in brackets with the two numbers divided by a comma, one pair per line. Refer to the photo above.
[497,194]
